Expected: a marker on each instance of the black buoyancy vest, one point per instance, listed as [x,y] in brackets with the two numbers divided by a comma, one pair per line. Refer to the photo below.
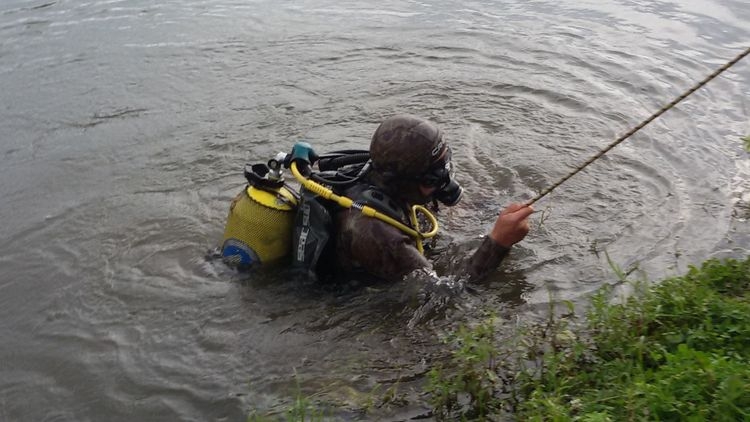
[314,227]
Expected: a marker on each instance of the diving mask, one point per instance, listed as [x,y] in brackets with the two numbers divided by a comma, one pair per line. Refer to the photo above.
[440,176]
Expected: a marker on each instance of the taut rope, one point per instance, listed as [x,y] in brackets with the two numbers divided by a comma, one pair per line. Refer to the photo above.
[648,120]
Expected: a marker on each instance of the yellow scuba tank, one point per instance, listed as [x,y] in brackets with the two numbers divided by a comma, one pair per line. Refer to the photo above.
[261,219]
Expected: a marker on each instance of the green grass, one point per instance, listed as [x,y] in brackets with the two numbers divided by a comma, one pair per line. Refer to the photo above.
[469,389]
[678,350]
[302,410]
[746,140]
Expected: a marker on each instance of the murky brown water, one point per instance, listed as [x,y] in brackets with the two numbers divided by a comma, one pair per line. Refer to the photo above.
[125,124]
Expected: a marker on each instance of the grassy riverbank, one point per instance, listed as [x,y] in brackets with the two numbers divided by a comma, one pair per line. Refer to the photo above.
[675,350]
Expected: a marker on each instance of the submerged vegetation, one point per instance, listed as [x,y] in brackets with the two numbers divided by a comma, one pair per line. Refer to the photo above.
[671,351]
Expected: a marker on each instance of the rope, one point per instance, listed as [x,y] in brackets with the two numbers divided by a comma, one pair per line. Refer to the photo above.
[648,120]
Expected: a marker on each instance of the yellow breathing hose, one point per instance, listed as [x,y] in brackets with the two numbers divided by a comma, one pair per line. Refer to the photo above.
[345,202]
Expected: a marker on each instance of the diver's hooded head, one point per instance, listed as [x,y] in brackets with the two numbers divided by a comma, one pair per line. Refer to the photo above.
[408,151]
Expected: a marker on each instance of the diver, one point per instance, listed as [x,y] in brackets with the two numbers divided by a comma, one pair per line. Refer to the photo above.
[411,165]
[360,210]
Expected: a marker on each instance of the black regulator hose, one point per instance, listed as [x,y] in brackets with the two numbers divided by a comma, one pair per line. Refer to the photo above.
[339,159]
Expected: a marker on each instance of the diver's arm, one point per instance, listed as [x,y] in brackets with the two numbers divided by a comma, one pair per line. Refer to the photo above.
[485,259]
[511,227]
[385,251]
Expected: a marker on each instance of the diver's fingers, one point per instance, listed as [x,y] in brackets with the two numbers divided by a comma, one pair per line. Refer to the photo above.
[512,208]
[522,213]
[518,211]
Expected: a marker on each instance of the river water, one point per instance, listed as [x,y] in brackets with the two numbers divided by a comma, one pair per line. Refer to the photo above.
[125,125]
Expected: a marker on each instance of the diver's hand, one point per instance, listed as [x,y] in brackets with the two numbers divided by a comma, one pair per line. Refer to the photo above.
[511,225]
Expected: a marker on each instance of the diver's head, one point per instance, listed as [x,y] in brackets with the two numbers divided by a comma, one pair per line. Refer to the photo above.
[411,160]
